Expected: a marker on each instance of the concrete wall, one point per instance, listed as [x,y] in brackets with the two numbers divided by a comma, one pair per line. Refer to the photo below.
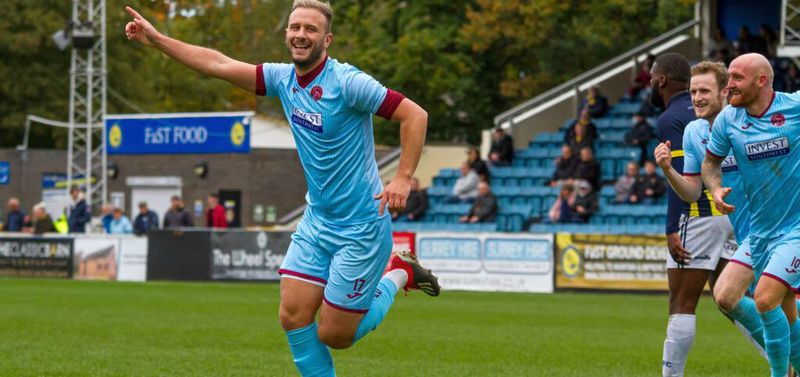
[271,177]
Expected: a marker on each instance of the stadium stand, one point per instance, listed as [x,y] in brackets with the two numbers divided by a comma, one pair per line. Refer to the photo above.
[525,197]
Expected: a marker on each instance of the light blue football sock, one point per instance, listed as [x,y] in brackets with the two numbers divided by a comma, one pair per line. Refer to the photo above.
[794,339]
[746,314]
[312,358]
[776,341]
[384,297]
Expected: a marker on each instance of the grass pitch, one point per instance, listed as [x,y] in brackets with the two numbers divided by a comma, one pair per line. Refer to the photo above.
[78,328]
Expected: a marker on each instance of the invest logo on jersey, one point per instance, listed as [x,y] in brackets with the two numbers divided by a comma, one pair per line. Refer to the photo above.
[729,164]
[767,149]
[309,121]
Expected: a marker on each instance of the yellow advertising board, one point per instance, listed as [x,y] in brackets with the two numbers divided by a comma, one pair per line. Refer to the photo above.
[598,261]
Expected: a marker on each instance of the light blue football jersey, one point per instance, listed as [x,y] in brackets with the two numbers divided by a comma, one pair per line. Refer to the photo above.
[331,121]
[695,140]
[767,152]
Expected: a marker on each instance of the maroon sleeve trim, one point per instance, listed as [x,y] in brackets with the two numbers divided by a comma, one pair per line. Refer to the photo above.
[261,89]
[390,103]
[690,174]
[710,153]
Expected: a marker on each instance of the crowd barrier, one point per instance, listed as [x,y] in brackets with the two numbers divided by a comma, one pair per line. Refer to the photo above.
[463,261]
[85,256]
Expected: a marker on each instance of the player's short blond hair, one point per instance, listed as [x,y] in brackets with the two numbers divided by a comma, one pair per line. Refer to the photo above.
[322,6]
[717,69]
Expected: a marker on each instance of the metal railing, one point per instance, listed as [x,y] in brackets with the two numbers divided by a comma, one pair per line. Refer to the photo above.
[571,85]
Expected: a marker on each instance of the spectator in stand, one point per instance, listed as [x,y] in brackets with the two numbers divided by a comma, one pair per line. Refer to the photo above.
[649,187]
[580,138]
[769,39]
[502,151]
[15,218]
[485,207]
[748,42]
[416,204]
[215,214]
[41,220]
[106,216]
[642,79]
[791,80]
[561,210]
[177,216]
[624,185]
[466,187]
[477,164]
[121,224]
[79,214]
[585,204]
[719,43]
[588,169]
[595,102]
[640,135]
[565,166]
[145,221]
[721,56]
[585,119]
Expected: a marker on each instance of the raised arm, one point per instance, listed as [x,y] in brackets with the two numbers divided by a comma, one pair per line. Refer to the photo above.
[204,60]
[688,187]
[712,177]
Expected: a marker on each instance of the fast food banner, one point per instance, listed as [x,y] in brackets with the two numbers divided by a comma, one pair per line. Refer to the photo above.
[598,261]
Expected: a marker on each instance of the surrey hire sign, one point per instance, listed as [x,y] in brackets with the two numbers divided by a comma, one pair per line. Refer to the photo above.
[178,133]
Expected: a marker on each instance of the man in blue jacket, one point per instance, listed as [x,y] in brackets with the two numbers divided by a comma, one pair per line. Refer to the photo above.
[79,214]
[145,220]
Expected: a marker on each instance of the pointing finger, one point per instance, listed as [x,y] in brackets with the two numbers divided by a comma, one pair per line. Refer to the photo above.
[133,13]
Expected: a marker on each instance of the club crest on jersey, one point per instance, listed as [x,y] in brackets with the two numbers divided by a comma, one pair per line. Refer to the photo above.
[729,164]
[778,120]
[316,92]
[310,121]
[767,149]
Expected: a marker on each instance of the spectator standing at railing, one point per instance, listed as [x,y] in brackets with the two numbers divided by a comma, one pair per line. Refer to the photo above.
[485,207]
[466,188]
[416,204]
[79,214]
[477,164]
[769,40]
[640,135]
[565,166]
[561,210]
[502,150]
[642,79]
[649,187]
[145,221]
[106,216]
[15,218]
[588,169]
[624,185]
[215,214]
[595,103]
[791,80]
[41,220]
[585,204]
[177,216]
[121,224]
